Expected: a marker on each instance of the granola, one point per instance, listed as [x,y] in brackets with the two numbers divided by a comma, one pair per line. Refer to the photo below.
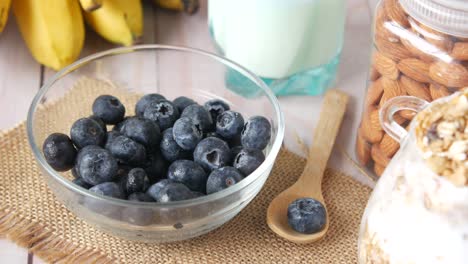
[442,135]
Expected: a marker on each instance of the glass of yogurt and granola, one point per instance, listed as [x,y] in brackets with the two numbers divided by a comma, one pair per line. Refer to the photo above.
[418,212]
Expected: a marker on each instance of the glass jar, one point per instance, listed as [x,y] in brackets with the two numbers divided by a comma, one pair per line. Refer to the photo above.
[420,49]
[418,211]
[293,45]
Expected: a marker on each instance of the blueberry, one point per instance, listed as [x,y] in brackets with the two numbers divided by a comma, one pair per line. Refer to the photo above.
[86,131]
[234,152]
[199,115]
[155,190]
[59,152]
[140,197]
[96,166]
[83,151]
[118,127]
[80,182]
[109,109]
[143,131]
[216,107]
[182,102]
[307,215]
[222,178]
[229,124]
[163,112]
[145,101]
[137,181]
[121,177]
[111,135]
[107,189]
[155,167]
[248,160]
[127,150]
[100,122]
[187,133]
[74,172]
[214,134]
[170,149]
[174,192]
[256,133]
[188,173]
[212,153]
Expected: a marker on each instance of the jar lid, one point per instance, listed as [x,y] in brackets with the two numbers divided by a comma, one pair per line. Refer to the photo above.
[447,16]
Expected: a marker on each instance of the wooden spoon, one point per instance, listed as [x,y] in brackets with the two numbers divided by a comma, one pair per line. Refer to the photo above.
[309,185]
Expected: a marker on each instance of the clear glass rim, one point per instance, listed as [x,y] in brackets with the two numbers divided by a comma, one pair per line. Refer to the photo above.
[269,160]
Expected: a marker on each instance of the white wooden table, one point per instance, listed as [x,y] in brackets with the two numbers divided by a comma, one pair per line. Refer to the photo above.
[21,77]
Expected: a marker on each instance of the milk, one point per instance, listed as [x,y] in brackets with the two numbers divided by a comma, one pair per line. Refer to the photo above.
[278,38]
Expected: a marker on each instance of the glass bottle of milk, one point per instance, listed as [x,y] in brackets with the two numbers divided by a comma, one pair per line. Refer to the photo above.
[293,45]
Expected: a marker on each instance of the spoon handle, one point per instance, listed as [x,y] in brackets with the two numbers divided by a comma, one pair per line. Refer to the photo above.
[331,115]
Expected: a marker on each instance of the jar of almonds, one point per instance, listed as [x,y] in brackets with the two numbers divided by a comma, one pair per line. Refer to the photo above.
[420,49]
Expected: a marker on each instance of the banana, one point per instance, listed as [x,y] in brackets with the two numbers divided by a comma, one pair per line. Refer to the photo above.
[52,29]
[4,10]
[118,21]
[90,5]
[188,6]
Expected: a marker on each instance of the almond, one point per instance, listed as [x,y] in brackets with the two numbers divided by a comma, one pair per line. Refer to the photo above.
[368,134]
[391,89]
[407,114]
[415,88]
[374,93]
[374,119]
[383,26]
[388,145]
[438,39]
[385,66]
[394,51]
[399,119]
[373,74]
[396,13]
[412,43]
[370,125]
[378,156]
[415,69]
[449,74]
[460,51]
[363,149]
[438,91]
[379,169]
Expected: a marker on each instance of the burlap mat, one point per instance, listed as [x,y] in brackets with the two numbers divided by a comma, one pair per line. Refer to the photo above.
[30,215]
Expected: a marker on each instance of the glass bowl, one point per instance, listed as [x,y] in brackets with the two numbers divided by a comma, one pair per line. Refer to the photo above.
[134,71]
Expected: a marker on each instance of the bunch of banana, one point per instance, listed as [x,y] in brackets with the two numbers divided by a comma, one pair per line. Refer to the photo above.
[4,10]
[52,29]
[118,21]
[188,6]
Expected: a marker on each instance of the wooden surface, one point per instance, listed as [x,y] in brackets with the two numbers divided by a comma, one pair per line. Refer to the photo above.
[21,77]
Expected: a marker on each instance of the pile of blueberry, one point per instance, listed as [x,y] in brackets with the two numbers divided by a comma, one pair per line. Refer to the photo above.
[170,151]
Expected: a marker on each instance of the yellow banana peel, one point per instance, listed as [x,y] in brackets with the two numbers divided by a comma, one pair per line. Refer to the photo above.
[4,10]
[118,21]
[188,6]
[90,5]
[52,29]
